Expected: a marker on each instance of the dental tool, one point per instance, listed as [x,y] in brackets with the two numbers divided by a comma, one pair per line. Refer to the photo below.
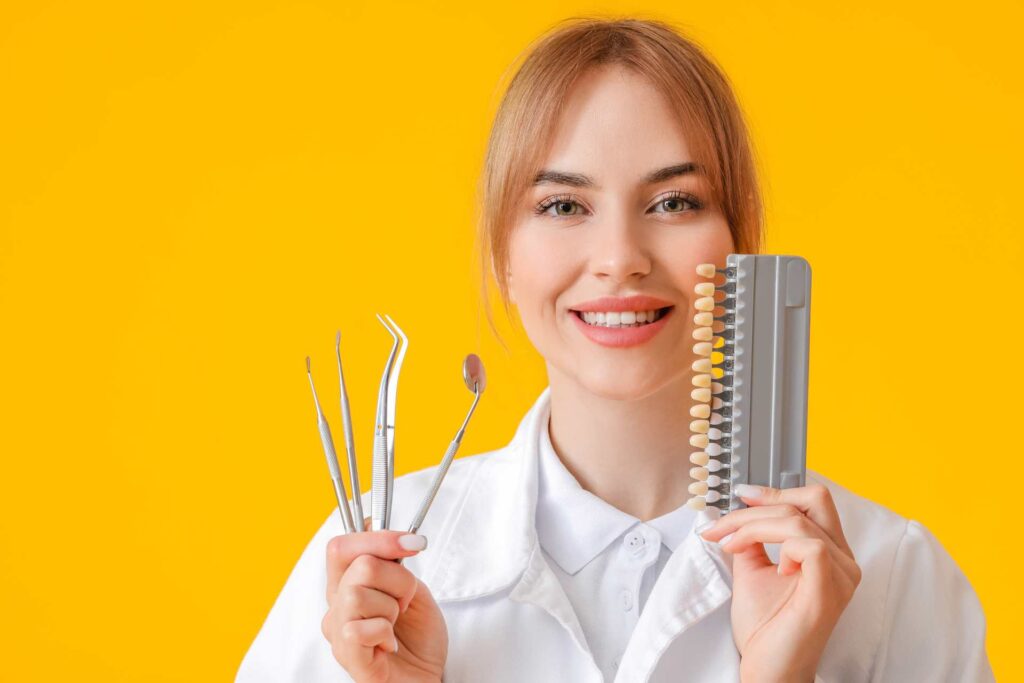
[350,445]
[381,474]
[332,458]
[392,404]
[475,379]
[752,329]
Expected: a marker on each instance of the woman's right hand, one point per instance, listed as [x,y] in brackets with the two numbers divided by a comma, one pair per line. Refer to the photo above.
[382,622]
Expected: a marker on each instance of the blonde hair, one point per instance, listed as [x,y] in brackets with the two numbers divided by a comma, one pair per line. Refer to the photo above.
[694,86]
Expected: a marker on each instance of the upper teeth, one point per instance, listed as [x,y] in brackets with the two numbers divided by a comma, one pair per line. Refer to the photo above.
[613,318]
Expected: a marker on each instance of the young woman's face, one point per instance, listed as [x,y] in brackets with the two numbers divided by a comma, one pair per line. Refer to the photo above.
[614,213]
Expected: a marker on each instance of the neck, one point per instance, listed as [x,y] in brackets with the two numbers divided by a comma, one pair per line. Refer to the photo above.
[633,454]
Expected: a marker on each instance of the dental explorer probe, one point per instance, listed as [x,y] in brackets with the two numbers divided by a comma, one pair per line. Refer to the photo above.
[379,490]
[332,458]
[476,379]
[392,404]
[350,445]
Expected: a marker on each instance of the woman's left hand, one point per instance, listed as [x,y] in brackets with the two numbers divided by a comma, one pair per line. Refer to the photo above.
[782,617]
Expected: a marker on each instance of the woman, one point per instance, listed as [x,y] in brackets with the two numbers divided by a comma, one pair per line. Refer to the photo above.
[619,161]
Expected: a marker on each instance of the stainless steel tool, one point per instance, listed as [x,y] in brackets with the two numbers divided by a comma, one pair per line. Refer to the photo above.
[381,472]
[350,445]
[392,405]
[476,379]
[332,458]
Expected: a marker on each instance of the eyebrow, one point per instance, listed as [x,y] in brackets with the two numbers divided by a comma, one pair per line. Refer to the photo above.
[580,180]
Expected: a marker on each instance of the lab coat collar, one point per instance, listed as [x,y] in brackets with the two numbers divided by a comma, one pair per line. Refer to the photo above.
[573,525]
[493,537]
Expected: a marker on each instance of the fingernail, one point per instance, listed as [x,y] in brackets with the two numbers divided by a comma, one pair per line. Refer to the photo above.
[725,539]
[412,542]
[396,647]
[747,491]
[706,525]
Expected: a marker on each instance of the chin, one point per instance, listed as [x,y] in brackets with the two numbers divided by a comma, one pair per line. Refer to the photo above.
[615,385]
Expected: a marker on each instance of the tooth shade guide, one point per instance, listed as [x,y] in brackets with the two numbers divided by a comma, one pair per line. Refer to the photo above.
[702,410]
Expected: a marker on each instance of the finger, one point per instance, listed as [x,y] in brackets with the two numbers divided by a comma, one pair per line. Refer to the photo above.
[360,602]
[781,529]
[733,520]
[342,550]
[382,575]
[364,639]
[811,557]
[813,500]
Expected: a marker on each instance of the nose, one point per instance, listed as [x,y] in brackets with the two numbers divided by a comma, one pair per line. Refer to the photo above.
[619,251]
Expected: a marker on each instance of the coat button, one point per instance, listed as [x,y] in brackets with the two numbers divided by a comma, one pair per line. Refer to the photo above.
[627,600]
[634,541]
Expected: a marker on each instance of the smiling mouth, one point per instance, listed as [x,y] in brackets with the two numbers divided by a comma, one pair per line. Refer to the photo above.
[615,320]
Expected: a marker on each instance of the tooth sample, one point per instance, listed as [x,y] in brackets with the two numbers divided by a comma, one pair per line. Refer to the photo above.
[702,334]
[701,410]
[706,303]
[706,270]
[698,473]
[698,488]
[696,504]
[704,319]
[701,381]
[699,458]
[702,348]
[705,289]
[702,365]
[701,394]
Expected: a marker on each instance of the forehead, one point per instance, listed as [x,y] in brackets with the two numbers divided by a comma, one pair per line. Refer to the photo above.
[616,126]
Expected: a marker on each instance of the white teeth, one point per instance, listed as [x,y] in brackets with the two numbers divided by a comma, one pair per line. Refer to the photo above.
[620,318]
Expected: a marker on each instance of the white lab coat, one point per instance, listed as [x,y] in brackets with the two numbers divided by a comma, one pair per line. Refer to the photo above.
[914,616]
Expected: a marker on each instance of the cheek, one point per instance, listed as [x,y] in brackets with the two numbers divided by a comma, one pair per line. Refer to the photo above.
[539,269]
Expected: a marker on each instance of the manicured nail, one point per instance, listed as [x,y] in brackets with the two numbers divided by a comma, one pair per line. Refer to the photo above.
[725,539]
[706,525]
[396,646]
[747,491]
[412,541]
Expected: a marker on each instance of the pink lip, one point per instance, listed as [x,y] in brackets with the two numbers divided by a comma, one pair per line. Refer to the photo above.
[637,302]
[623,336]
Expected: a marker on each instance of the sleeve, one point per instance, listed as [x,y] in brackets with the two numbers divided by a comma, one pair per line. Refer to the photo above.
[290,646]
[933,626]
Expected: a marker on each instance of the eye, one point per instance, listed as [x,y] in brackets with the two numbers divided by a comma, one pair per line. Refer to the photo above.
[676,202]
[564,205]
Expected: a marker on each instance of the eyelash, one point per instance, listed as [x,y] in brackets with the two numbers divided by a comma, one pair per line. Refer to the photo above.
[546,204]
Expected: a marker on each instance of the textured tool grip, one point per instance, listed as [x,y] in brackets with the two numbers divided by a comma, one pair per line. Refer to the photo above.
[378,494]
[328,442]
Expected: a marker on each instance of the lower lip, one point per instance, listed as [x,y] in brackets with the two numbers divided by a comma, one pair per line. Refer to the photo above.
[619,337]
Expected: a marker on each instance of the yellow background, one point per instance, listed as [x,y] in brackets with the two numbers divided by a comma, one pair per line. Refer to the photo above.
[195,195]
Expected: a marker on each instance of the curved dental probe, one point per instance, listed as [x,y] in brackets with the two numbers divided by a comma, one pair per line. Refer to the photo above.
[350,445]
[332,458]
[381,474]
[475,379]
[392,405]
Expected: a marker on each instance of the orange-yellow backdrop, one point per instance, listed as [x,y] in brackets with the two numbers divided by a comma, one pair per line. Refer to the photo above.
[195,195]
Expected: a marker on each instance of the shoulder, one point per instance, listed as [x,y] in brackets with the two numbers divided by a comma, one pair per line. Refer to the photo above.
[906,575]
